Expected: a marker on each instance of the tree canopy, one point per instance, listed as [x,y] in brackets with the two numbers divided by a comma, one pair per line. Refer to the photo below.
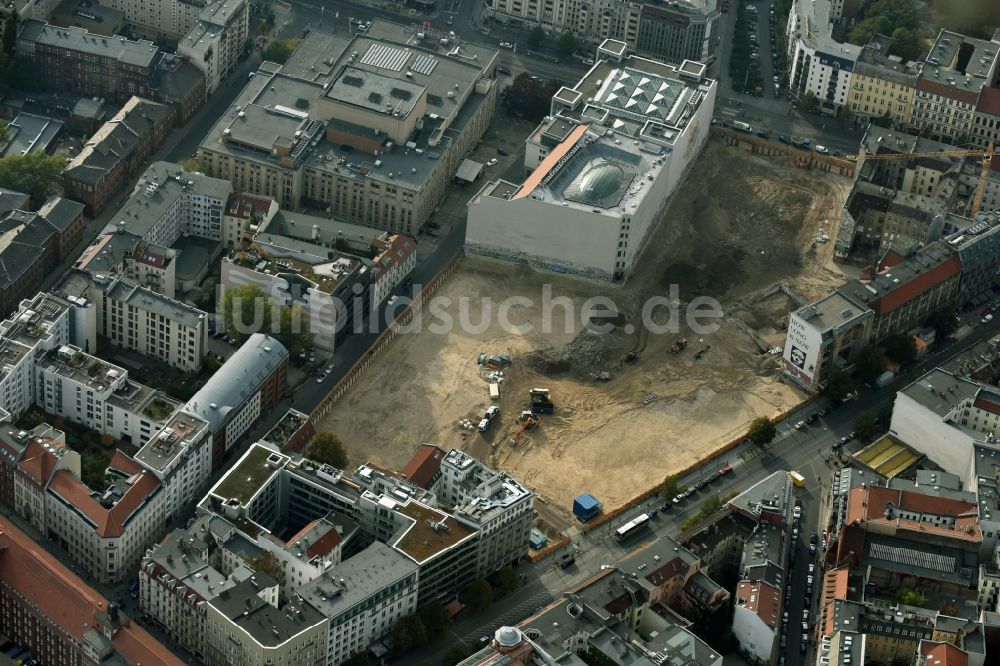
[762,430]
[479,594]
[566,43]
[865,425]
[280,50]
[869,364]
[900,347]
[536,36]
[838,384]
[247,309]
[901,20]
[326,448]
[529,97]
[36,174]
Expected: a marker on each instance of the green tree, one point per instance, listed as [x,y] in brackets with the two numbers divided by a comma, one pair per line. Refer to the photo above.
[407,633]
[865,426]
[536,36]
[710,506]
[900,347]
[4,132]
[907,43]
[435,618]
[246,309]
[529,97]
[762,430]
[566,43]
[838,384]
[456,653]
[885,411]
[869,364]
[31,419]
[267,562]
[280,50]
[505,581]
[293,330]
[191,164]
[22,73]
[326,448]
[691,522]
[36,174]
[910,597]
[9,40]
[851,8]
[671,486]
[479,594]
[943,322]
[808,102]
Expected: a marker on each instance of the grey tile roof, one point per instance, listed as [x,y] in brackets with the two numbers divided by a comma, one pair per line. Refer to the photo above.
[61,212]
[139,53]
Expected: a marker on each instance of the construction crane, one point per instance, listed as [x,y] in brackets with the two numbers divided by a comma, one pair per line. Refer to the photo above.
[986,155]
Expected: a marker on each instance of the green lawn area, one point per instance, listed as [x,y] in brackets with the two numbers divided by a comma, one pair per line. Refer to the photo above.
[243,481]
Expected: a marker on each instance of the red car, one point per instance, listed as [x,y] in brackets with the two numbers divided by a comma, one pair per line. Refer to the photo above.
[725,470]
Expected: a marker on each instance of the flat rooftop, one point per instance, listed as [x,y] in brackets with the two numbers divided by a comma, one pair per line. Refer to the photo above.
[72,363]
[831,311]
[772,493]
[422,541]
[253,471]
[141,298]
[179,433]
[940,391]
[815,29]
[30,133]
[960,62]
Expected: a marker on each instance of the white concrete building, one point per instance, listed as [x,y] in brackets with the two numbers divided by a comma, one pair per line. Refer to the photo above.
[362,598]
[244,215]
[756,618]
[217,40]
[180,455]
[153,19]
[611,155]
[77,386]
[818,64]
[928,416]
[39,325]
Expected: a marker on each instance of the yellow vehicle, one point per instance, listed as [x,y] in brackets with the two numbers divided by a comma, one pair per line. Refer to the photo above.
[797,479]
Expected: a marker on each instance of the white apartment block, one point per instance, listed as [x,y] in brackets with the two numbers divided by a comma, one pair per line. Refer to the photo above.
[362,598]
[40,324]
[106,533]
[77,386]
[170,19]
[819,64]
[180,455]
[217,40]
[396,259]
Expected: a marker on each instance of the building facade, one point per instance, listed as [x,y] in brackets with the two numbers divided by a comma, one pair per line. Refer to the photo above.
[882,86]
[217,40]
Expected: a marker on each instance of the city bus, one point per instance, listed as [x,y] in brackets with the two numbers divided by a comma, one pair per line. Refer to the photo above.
[634,526]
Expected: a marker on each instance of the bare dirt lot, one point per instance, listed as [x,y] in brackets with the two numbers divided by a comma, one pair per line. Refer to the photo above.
[738,226]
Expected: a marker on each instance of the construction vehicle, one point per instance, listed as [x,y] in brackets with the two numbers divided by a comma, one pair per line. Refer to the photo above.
[541,401]
[630,357]
[986,155]
[527,423]
[679,346]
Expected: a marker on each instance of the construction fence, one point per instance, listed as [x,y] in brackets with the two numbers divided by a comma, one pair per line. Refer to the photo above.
[382,341]
[806,159]
[642,497]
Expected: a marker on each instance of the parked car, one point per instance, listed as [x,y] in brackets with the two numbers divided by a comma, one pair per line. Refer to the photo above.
[823,150]
[678,498]
[319,380]
[483,425]
[492,162]
[492,411]
[503,70]
[797,512]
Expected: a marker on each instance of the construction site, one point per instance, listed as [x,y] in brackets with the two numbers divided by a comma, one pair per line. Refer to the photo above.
[627,406]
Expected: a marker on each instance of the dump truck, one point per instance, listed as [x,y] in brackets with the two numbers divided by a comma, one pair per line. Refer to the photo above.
[586,507]
[797,479]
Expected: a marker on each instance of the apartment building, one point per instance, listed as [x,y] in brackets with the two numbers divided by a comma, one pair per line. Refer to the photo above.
[39,325]
[986,120]
[124,254]
[978,248]
[249,384]
[105,532]
[41,457]
[112,157]
[362,598]
[76,385]
[632,125]
[168,202]
[823,336]
[33,244]
[493,501]
[156,19]
[673,32]
[217,40]
[58,618]
[903,291]
[818,63]
[180,456]
[179,83]
[951,80]
[72,60]
[882,85]
[373,127]
[244,215]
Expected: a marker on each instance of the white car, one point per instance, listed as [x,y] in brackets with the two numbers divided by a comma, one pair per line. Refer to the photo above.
[822,150]
[392,301]
[492,162]
[506,45]
[483,425]
[492,412]
[319,380]
[797,513]
[987,319]
[800,425]
[588,61]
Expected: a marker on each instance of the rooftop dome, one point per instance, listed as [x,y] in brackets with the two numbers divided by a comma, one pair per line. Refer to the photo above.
[602,182]
[508,636]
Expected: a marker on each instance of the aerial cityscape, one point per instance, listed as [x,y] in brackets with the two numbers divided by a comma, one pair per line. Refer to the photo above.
[500,332]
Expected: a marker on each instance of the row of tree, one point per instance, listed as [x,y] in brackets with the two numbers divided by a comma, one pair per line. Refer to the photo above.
[247,306]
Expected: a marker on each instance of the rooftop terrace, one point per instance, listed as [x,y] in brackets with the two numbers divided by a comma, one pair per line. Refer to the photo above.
[251,473]
[431,532]
[180,432]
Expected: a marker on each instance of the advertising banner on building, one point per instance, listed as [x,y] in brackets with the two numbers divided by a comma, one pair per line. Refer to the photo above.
[802,349]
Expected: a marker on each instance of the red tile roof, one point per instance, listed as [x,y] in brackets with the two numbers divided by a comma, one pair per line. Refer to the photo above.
[244,205]
[66,600]
[124,464]
[920,284]
[946,90]
[989,101]
[325,543]
[867,504]
[37,463]
[943,654]
[424,464]
[761,598]
[984,403]
[108,523]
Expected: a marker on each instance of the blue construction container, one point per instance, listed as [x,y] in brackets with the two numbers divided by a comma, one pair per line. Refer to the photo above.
[586,506]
